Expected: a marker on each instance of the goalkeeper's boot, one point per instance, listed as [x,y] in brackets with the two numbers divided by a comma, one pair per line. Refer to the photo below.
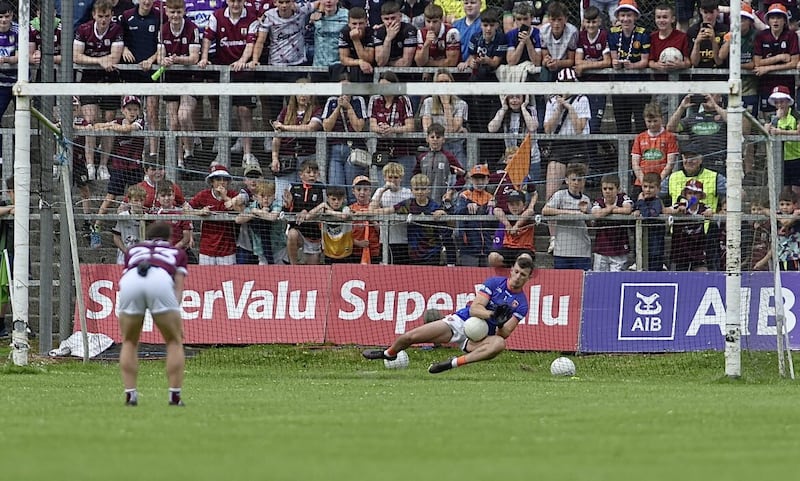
[443,366]
[377,354]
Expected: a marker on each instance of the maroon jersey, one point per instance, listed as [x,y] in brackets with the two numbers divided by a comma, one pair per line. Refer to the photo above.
[612,240]
[299,146]
[217,239]
[178,44]
[127,150]
[593,50]
[447,39]
[157,253]
[96,44]
[178,225]
[394,115]
[765,46]
[36,38]
[675,39]
[151,200]
[231,38]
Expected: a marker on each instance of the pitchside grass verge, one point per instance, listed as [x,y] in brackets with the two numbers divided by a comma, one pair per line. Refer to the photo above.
[321,413]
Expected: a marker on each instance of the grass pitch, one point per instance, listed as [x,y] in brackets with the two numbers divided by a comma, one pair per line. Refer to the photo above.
[302,413]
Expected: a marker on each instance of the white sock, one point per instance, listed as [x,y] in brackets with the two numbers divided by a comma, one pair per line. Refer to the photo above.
[173,393]
[454,362]
[131,395]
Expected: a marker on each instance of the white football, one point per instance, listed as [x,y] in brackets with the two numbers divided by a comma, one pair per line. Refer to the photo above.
[670,54]
[476,329]
[563,366]
[400,363]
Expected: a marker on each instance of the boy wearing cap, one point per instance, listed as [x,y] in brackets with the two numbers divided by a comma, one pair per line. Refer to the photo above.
[630,50]
[126,164]
[517,236]
[217,239]
[245,254]
[366,233]
[775,49]
[689,239]
[786,121]
[474,238]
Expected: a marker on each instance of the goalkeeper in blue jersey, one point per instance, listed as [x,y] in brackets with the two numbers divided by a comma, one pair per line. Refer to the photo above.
[500,301]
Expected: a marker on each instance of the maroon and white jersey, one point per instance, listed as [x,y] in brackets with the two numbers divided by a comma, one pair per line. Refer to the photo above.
[36,38]
[300,146]
[612,241]
[593,49]
[180,44]
[447,39]
[98,44]
[287,45]
[178,225]
[765,46]
[230,38]
[127,150]
[394,115]
[158,253]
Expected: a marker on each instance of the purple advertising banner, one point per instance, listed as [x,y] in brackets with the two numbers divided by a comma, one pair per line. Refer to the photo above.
[680,311]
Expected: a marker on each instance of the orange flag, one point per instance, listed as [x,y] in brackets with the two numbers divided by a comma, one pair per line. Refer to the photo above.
[517,168]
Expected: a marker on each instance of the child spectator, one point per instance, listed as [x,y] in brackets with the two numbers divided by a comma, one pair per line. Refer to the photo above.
[775,49]
[630,51]
[301,114]
[474,238]
[443,170]
[357,46]
[35,41]
[256,225]
[450,111]
[593,54]
[611,246]
[760,237]
[438,44]
[233,30]
[244,240]
[126,232]
[517,118]
[788,241]
[559,42]
[301,198]
[468,25]
[390,115]
[366,233]
[217,238]
[487,51]
[499,183]
[182,230]
[517,235]
[649,206]
[140,34]
[337,235]
[153,180]
[706,36]
[80,178]
[327,25]
[126,165]
[390,195]
[395,40]
[344,113]
[786,121]
[180,45]
[524,42]
[572,248]
[98,42]
[666,36]
[425,239]
[654,150]
[689,238]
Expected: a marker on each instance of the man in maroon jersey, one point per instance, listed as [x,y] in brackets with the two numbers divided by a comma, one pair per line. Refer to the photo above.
[152,279]
[233,29]
[217,238]
[99,42]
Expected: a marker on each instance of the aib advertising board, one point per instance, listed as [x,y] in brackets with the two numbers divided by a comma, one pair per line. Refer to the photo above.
[680,311]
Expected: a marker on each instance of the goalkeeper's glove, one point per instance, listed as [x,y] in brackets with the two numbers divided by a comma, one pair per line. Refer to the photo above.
[502,314]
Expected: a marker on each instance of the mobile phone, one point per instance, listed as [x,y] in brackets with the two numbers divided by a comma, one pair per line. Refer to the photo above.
[705,25]
[698,98]
[524,28]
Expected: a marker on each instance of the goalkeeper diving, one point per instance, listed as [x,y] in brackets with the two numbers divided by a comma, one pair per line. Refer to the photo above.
[500,301]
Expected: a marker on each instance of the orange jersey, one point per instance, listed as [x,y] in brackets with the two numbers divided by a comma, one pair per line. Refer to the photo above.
[653,151]
[358,232]
[522,239]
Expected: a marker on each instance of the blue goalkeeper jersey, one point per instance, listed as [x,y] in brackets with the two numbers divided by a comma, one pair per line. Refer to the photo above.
[496,289]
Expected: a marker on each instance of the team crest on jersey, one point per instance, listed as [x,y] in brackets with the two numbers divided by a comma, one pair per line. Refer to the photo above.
[243,31]
[184,40]
[515,303]
[783,45]
[12,39]
[222,30]
[637,44]
[598,46]
[106,42]
[151,28]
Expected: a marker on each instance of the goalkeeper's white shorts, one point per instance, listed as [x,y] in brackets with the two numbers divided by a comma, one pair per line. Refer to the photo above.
[155,291]
[457,328]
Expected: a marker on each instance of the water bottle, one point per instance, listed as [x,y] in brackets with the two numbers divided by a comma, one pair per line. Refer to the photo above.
[94,238]
[158,73]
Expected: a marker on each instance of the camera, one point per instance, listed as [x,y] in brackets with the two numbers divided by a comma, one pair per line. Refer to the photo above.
[524,28]
[698,98]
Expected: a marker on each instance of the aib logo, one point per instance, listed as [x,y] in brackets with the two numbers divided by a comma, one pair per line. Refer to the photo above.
[647,311]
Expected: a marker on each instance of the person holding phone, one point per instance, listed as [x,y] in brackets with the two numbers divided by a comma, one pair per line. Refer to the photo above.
[706,125]
[706,36]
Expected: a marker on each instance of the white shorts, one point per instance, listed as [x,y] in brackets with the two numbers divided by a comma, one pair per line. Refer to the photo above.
[457,328]
[156,292]
[204,260]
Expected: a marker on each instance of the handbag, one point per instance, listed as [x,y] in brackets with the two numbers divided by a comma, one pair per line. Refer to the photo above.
[381,158]
[288,164]
[359,158]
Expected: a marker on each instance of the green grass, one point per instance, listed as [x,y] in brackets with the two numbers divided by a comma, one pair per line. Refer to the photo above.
[301,413]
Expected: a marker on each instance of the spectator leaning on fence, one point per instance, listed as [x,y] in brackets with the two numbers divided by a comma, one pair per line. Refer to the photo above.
[217,238]
[357,46]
